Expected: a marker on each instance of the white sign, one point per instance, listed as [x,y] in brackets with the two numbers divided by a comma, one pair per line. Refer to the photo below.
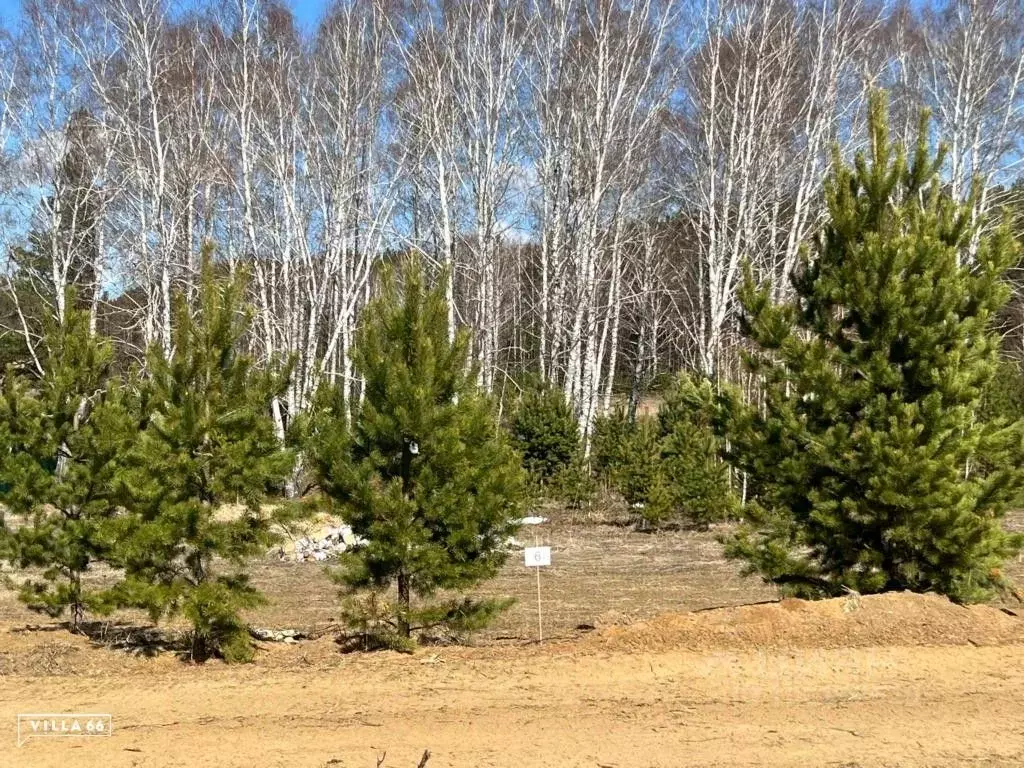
[538,556]
[63,724]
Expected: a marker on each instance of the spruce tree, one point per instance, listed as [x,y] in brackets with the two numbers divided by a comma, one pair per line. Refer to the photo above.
[860,455]
[207,441]
[62,439]
[425,473]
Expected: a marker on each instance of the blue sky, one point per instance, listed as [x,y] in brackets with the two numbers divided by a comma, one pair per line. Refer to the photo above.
[9,10]
[306,11]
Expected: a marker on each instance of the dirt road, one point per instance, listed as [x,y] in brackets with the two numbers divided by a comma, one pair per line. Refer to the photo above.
[598,701]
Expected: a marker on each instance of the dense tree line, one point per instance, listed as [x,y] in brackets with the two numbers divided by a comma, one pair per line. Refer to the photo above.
[879,448]
[587,175]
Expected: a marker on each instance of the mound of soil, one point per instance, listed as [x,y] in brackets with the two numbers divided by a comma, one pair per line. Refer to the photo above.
[894,619]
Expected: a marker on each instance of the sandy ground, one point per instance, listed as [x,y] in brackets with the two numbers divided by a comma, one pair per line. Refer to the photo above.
[787,684]
[667,678]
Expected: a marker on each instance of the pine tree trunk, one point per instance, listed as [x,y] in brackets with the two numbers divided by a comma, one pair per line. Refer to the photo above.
[403,604]
[199,649]
[403,577]
[77,609]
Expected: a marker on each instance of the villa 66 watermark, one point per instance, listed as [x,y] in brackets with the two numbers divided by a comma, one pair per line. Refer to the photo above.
[62,724]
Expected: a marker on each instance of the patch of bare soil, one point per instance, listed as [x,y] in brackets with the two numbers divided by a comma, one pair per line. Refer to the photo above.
[669,677]
[895,619]
[894,680]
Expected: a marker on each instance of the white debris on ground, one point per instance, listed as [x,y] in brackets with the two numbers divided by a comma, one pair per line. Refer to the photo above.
[512,543]
[324,538]
[327,544]
[277,635]
[321,538]
[533,520]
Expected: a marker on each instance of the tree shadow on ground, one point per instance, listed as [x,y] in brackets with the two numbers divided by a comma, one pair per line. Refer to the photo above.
[138,640]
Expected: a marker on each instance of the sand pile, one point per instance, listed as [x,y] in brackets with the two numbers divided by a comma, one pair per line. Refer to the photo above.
[895,619]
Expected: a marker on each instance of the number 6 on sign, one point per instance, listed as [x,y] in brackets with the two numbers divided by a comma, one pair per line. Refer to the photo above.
[538,556]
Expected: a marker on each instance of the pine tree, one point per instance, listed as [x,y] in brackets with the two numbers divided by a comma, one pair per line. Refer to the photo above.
[1002,403]
[696,478]
[860,456]
[545,431]
[609,444]
[1003,397]
[641,479]
[207,440]
[668,468]
[63,438]
[425,472]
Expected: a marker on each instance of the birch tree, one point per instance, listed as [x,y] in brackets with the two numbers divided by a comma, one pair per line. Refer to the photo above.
[601,104]
[972,75]
[55,184]
[586,176]
[762,106]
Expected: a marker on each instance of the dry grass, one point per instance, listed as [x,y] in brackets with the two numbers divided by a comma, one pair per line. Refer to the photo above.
[603,572]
